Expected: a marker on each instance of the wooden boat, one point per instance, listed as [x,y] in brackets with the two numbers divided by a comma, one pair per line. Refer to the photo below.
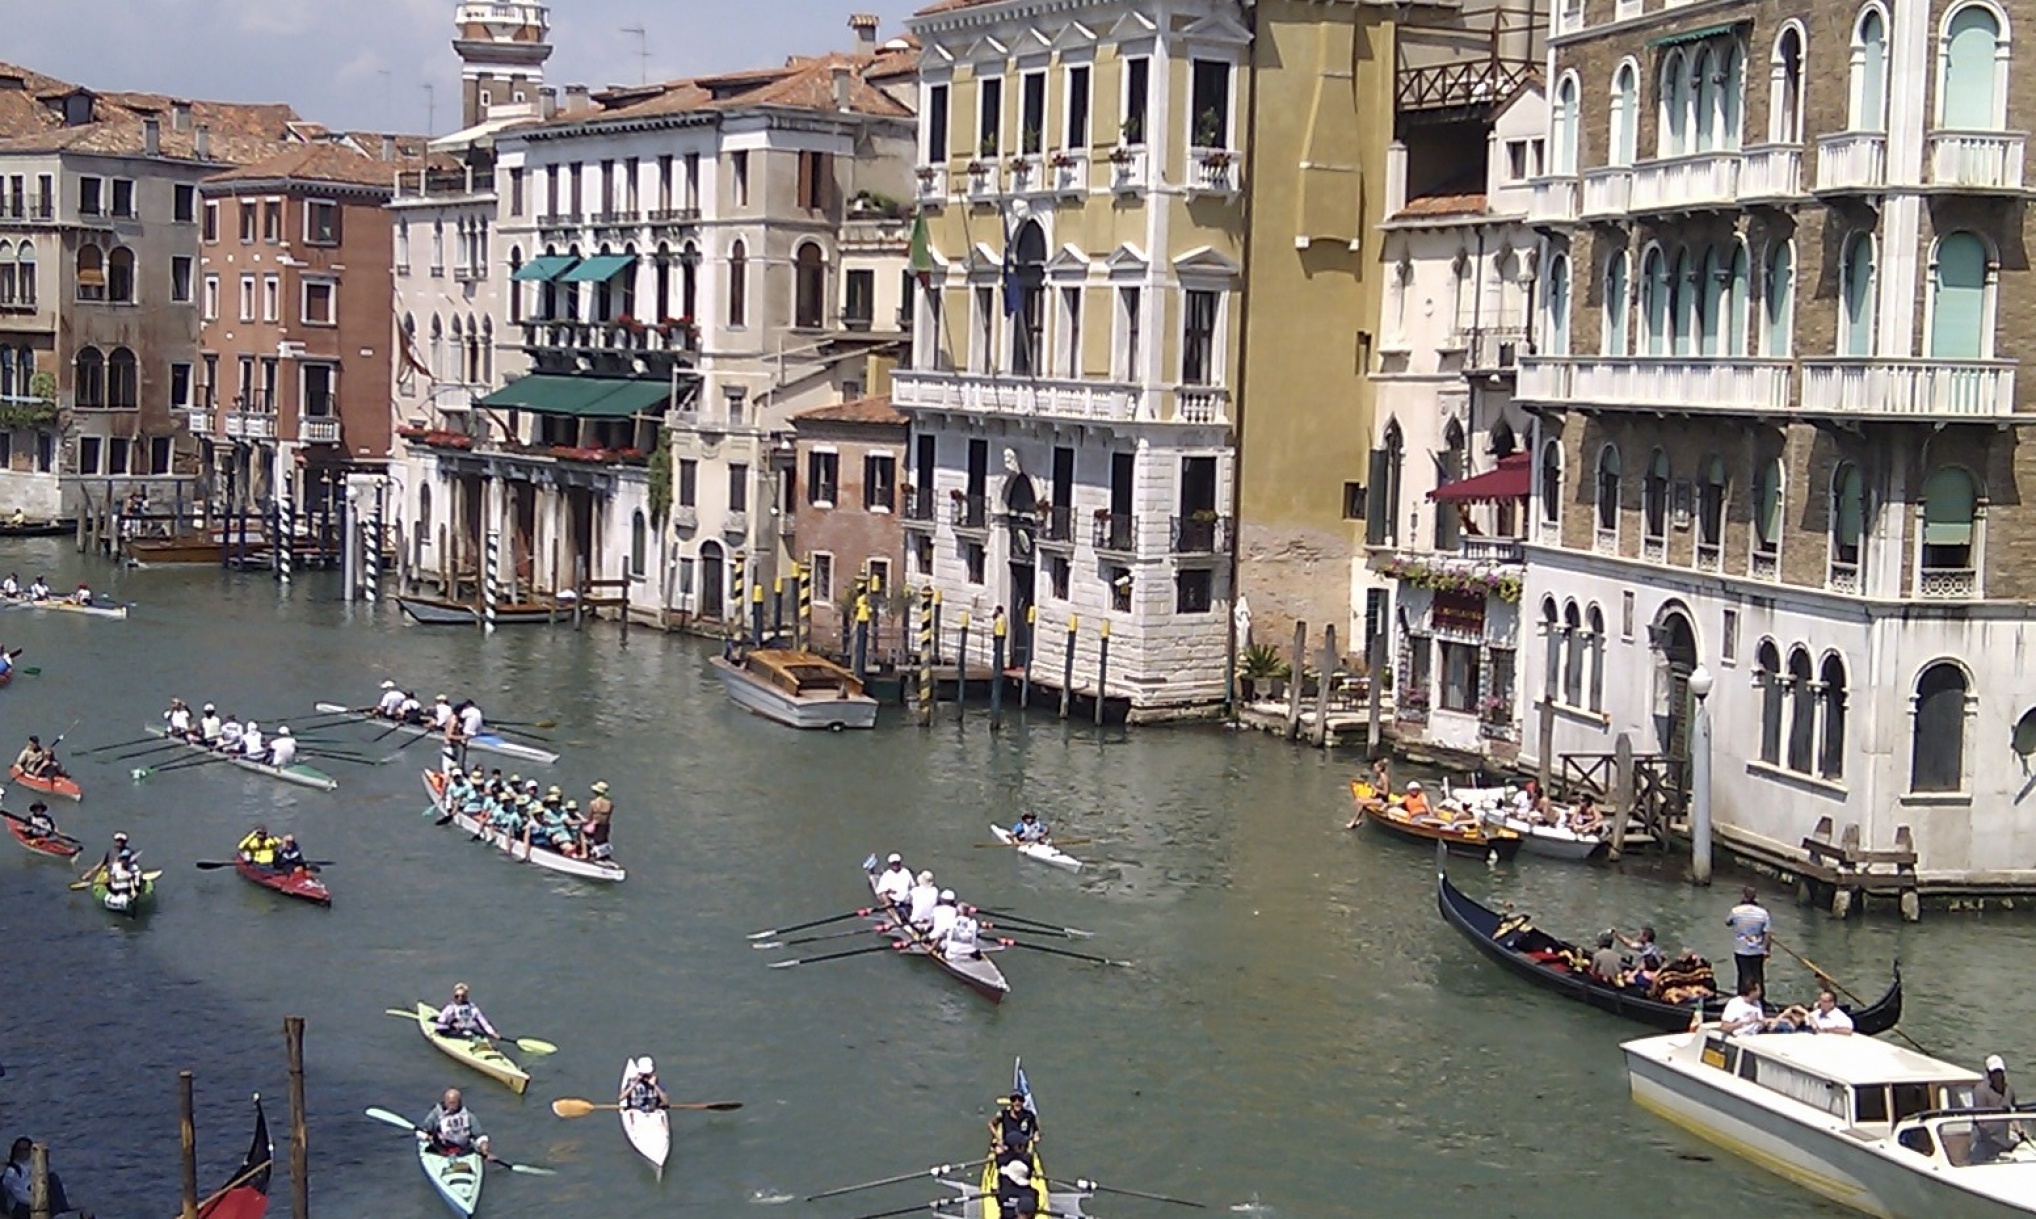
[476,1052]
[981,974]
[302,885]
[486,742]
[430,611]
[649,1133]
[1460,833]
[979,1196]
[57,846]
[587,869]
[37,529]
[184,548]
[457,1178]
[246,1193]
[132,905]
[61,785]
[296,772]
[1044,852]
[796,689]
[1492,807]
[58,605]
[1560,966]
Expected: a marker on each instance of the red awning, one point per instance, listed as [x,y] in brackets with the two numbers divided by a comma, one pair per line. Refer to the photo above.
[1512,480]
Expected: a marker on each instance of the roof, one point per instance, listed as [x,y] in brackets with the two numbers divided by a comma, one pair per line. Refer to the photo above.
[875,411]
[338,163]
[803,83]
[1514,479]
[1467,203]
[1855,1060]
[32,120]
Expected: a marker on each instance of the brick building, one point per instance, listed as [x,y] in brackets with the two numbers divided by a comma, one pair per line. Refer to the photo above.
[1780,313]
[849,459]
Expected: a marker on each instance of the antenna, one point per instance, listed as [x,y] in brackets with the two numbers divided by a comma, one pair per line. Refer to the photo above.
[642,52]
[430,109]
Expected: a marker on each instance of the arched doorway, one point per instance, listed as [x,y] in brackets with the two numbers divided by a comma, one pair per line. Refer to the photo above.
[711,599]
[1021,518]
[1675,646]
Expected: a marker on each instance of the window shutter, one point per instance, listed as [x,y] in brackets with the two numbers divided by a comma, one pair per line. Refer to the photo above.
[1377,511]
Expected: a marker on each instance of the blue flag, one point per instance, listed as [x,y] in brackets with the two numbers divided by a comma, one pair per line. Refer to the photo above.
[1021,1087]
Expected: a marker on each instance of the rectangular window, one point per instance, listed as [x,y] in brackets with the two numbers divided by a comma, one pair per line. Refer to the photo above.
[89,193]
[1077,135]
[248,221]
[1057,571]
[162,455]
[1130,330]
[210,231]
[738,488]
[972,558]
[321,222]
[1198,338]
[1194,591]
[687,493]
[1120,588]
[607,188]
[551,190]
[1070,353]
[985,329]
[879,482]
[183,203]
[180,385]
[210,307]
[272,221]
[878,573]
[1728,643]
[318,308]
[247,298]
[922,553]
[936,124]
[516,191]
[1420,659]
[823,475]
[117,450]
[576,183]
[738,166]
[859,299]
[318,399]
[88,454]
[180,278]
[1137,89]
[822,565]
[1353,501]
[272,299]
[1032,114]
[990,117]
[1459,676]
[1210,104]
[816,180]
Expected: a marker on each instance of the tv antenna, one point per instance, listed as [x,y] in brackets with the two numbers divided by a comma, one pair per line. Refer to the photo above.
[642,52]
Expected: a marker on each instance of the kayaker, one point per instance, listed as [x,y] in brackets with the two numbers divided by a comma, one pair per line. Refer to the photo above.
[391,704]
[641,1090]
[1014,1130]
[944,915]
[1016,1196]
[82,596]
[959,944]
[11,586]
[283,750]
[251,741]
[894,883]
[179,718]
[290,856]
[441,712]
[461,1018]
[1029,828]
[40,823]
[451,1129]
[925,896]
[119,852]
[209,725]
[37,762]
[39,591]
[259,847]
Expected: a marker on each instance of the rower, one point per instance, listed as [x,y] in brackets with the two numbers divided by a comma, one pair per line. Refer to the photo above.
[251,741]
[470,717]
[1017,1197]
[40,823]
[123,878]
[39,591]
[1014,1130]
[119,852]
[283,750]
[894,883]
[944,915]
[640,1089]
[391,702]
[35,761]
[461,1018]
[410,711]
[925,896]
[959,944]
[11,586]
[83,595]
[1030,829]
[441,712]
[451,1129]
[290,856]
[259,847]
[209,725]
[179,718]
[229,734]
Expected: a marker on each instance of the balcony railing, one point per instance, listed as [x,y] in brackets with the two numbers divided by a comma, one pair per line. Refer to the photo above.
[1607,192]
[1728,383]
[674,215]
[1059,525]
[1843,578]
[1027,174]
[918,505]
[196,419]
[1201,404]
[1200,533]
[1976,160]
[1115,533]
[1493,550]
[1771,171]
[1070,172]
[1912,388]
[1947,583]
[1680,184]
[1553,201]
[1213,171]
[685,516]
[1128,169]
[982,180]
[318,431]
[251,425]
[932,186]
[988,395]
[968,511]
[1852,161]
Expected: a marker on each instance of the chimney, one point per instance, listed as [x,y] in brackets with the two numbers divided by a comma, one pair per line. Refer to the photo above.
[388,148]
[151,136]
[576,100]
[547,102]
[843,77]
[865,27]
[201,143]
[180,116]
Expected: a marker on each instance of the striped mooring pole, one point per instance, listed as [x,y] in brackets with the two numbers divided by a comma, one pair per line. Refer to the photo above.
[286,534]
[926,657]
[374,567]
[491,591]
[804,626]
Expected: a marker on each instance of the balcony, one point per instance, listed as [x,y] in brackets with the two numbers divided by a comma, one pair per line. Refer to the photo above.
[1926,388]
[1199,533]
[1492,352]
[1058,529]
[1947,583]
[981,181]
[1852,162]
[1607,192]
[1070,174]
[1553,201]
[1843,577]
[918,506]
[1676,383]
[1705,181]
[1025,174]
[318,430]
[1115,533]
[982,394]
[675,215]
[1977,161]
[1214,171]
[250,425]
[1771,171]
[932,187]
[1129,170]
[196,419]
[1493,550]
[968,511]
[1201,404]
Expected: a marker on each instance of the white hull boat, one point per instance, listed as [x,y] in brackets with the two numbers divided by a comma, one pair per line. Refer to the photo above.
[649,1133]
[298,773]
[587,869]
[487,742]
[58,606]
[1044,852]
[796,689]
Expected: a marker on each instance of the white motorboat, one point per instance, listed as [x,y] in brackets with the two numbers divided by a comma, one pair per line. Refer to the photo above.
[1863,1122]
[1493,806]
[797,689]
[1044,852]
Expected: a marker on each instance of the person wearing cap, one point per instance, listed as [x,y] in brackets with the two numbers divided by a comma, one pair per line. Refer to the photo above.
[178,718]
[410,711]
[1415,802]
[118,853]
[640,1088]
[944,915]
[595,827]
[461,1018]
[1017,1195]
[1029,828]
[1991,1140]
[283,749]
[441,712]
[259,847]
[209,725]
[925,896]
[40,823]
[893,885]
[251,743]
[958,943]
[390,705]
[1014,1130]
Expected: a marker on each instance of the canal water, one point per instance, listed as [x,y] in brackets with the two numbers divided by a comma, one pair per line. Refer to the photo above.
[1300,1036]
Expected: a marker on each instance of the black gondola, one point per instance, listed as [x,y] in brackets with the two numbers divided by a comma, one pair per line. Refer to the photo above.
[246,1193]
[1513,943]
[37,529]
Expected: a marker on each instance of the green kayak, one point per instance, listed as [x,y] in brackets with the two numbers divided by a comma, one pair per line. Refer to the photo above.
[456,1178]
[132,905]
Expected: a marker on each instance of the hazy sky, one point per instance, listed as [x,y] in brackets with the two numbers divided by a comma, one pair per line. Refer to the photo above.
[362,64]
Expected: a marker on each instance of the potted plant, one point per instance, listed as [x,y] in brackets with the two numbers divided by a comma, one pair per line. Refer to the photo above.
[1216,159]
[1120,156]
[928,175]
[629,323]
[1208,129]
[1412,704]
[1062,160]
[1261,664]
[1132,130]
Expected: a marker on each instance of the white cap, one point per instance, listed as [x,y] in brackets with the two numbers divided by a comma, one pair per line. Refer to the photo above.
[442,698]
[1414,786]
[283,731]
[926,876]
[895,858]
[210,707]
[388,685]
[1994,1063]
[1019,1174]
[251,725]
[644,1066]
[947,895]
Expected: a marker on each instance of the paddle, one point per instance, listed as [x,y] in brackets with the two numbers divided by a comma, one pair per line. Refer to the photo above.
[1062,952]
[158,747]
[814,939]
[395,1119]
[573,1106]
[209,865]
[836,956]
[1057,842]
[1009,917]
[818,922]
[545,724]
[1100,1188]
[529,1045]
[935,1171]
[1826,979]
[1029,930]
[86,881]
[520,733]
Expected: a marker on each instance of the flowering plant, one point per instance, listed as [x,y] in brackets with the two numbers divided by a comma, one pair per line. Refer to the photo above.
[1439,576]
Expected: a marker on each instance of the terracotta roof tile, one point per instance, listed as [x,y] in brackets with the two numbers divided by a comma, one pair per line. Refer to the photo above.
[30,121]
[803,83]
[327,162]
[876,410]
[1467,204]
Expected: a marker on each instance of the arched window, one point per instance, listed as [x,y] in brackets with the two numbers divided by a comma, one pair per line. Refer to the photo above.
[24,275]
[120,275]
[1848,524]
[1656,298]
[639,544]
[1937,749]
[1572,657]
[1706,83]
[738,284]
[1738,291]
[689,283]
[1731,72]
[1617,297]
[661,283]
[123,388]
[1869,84]
[1972,75]
[1673,124]
[1625,127]
[7,374]
[1563,127]
[514,286]
[1802,712]
[1767,514]
[91,273]
[1767,672]
[6,273]
[1831,741]
[1027,329]
[1961,325]
[1556,294]
[487,351]
[1711,512]
[1392,462]
[1551,632]
[1710,300]
[1950,513]
[88,386]
[1654,499]
[1551,483]
[810,275]
[1855,290]
[437,350]
[1778,301]
[1596,625]
[1608,491]
[1683,297]
[1785,87]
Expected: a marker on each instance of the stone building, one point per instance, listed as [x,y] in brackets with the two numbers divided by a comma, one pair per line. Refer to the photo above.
[850,458]
[1781,316]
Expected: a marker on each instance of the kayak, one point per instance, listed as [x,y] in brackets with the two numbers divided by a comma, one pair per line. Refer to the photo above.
[486,742]
[476,1052]
[62,785]
[649,1133]
[60,846]
[456,1178]
[246,1193]
[296,772]
[133,905]
[303,885]
[1044,852]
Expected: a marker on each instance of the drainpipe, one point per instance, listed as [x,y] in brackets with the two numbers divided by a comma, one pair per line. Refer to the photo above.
[1243,373]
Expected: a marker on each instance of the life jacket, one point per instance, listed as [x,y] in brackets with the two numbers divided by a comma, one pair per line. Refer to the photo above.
[642,1094]
[465,1018]
[456,1129]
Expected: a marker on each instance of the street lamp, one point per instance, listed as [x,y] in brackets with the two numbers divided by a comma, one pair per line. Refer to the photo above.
[1700,683]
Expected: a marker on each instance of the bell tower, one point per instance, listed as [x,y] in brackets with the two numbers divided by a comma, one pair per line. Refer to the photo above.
[502,45]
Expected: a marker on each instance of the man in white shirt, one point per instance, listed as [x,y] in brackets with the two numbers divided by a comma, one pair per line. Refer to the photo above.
[283,750]
[229,734]
[410,711]
[943,917]
[441,713]
[251,744]
[959,944]
[391,704]
[1743,1012]
[894,883]
[179,717]
[209,725]
[1828,1017]
[925,896]
[471,719]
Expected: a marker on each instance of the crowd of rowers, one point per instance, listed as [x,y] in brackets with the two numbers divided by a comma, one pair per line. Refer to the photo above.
[228,734]
[943,924]
[514,807]
[1529,804]
[461,720]
[40,590]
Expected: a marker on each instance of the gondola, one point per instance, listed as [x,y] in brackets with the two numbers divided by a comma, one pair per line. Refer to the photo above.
[1539,957]
[246,1193]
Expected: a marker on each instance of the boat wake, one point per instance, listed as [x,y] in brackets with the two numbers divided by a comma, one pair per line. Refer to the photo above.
[761,1198]
[1253,1207]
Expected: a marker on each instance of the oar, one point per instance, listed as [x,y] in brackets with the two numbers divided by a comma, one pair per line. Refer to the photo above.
[937,1170]
[1062,952]
[521,733]
[340,757]
[836,956]
[158,747]
[818,922]
[1826,979]
[1100,1188]
[143,772]
[58,837]
[397,1119]
[86,881]
[573,1106]
[529,1045]
[546,724]
[1009,917]
[933,1206]
[814,939]
[1015,930]
[1058,842]
[212,864]
[140,740]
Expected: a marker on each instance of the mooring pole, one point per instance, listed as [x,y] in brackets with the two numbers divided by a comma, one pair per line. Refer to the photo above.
[1102,670]
[997,631]
[187,1129]
[300,1151]
[38,1182]
[1067,668]
[961,670]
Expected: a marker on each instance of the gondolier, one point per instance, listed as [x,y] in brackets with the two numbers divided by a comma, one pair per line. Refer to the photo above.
[451,1128]
[1014,1130]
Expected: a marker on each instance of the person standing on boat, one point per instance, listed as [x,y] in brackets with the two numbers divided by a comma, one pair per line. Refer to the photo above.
[283,750]
[1991,1140]
[259,847]
[1014,1130]
[441,712]
[925,896]
[452,756]
[641,1091]
[894,884]
[209,725]
[461,1018]
[1750,926]
[594,828]
[451,1129]
[1029,828]
[390,706]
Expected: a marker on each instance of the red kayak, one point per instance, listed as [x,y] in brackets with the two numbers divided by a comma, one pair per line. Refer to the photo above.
[304,886]
[62,785]
[60,846]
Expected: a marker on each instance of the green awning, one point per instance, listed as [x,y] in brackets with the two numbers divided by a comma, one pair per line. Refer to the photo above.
[630,398]
[1696,35]
[582,397]
[543,268]
[598,268]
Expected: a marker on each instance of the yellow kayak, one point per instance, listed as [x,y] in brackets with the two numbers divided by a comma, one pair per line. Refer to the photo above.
[477,1052]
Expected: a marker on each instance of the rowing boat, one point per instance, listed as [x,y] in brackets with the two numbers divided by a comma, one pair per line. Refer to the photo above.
[246,1193]
[1044,852]
[37,529]
[303,885]
[457,1178]
[61,785]
[296,772]
[979,973]
[132,905]
[59,846]
[650,1133]
[55,605]
[486,742]
[515,848]
[476,1052]
[979,1197]
[1460,833]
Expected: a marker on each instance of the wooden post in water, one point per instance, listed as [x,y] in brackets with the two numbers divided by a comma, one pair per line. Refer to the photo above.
[1300,667]
[1622,792]
[1067,668]
[778,607]
[939,622]
[187,1129]
[300,1150]
[1102,670]
[961,670]
[38,1182]
[1375,654]
[997,631]
[1031,642]
[926,657]
[1321,737]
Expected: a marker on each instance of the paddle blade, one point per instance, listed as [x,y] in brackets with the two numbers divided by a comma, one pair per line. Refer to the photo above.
[718,1106]
[531,1045]
[572,1106]
[528,1170]
[392,1119]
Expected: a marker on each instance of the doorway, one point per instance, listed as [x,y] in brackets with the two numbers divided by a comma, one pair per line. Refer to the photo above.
[711,603]
[1676,640]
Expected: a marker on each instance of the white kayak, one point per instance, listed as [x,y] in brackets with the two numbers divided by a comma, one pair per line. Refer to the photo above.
[1044,852]
[649,1133]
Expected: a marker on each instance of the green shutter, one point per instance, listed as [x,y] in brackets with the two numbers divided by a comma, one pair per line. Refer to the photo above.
[1958,311]
[1969,68]
[1948,504]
